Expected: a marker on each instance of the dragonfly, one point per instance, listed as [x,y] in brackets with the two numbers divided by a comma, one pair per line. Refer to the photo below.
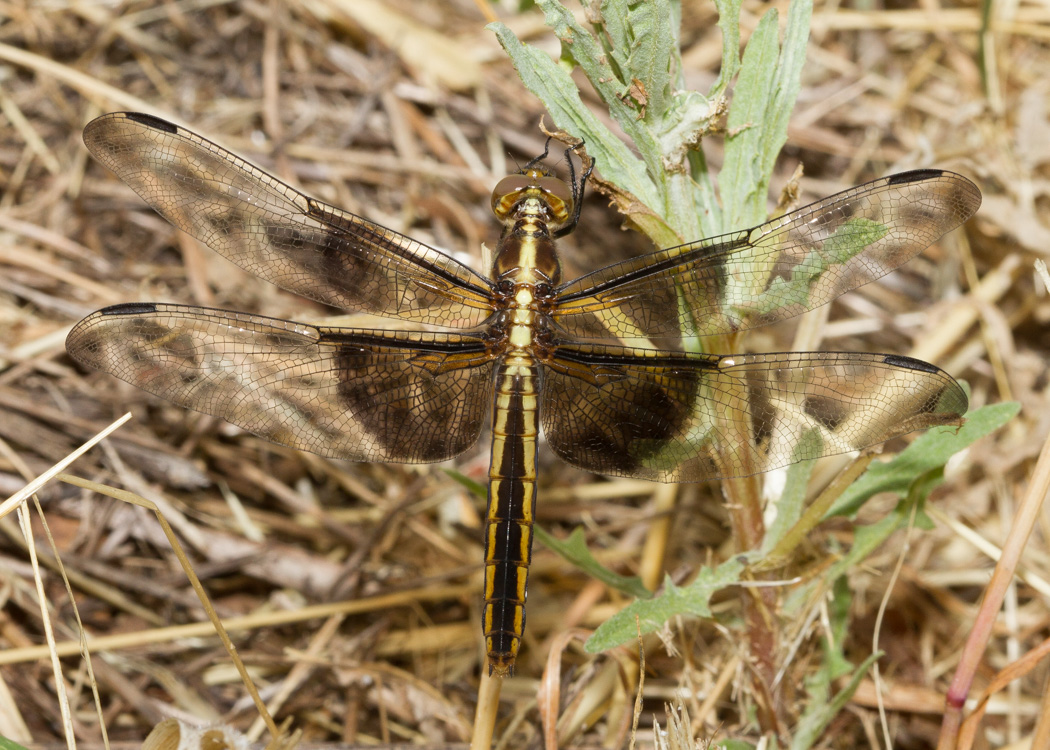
[608,364]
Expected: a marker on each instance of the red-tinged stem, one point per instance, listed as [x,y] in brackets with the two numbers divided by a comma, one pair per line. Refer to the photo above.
[759,604]
[1028,512]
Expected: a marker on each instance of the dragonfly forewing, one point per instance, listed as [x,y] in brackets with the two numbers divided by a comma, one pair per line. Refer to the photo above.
[774,271]
[275,232]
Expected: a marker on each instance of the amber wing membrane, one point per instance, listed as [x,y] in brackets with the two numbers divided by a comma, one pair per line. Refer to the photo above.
[691,417]
[281,235]
[355,394]
[777,270]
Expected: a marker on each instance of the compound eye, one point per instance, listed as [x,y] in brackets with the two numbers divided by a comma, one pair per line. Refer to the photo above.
[558,188]
[508,185]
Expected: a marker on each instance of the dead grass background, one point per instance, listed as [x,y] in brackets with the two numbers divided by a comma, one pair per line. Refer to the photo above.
[407,113]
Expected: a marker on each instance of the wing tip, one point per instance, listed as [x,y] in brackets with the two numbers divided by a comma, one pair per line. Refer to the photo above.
[80,339]
[963,190]
[951,402]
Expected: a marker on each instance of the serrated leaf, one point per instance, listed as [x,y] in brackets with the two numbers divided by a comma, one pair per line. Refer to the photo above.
[930,450]
[785,88]
[706,204]
[648,615]
[729,23]
[616,30]
[653,50]
[574,549]
[867,539]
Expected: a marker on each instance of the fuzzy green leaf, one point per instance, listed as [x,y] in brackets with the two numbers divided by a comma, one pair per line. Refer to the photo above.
[556,89]
[867,539]
[653,36]
[835,662]
[729,23]
[787,85]
[606,79]
[763,98]
[743,198]
[706,205]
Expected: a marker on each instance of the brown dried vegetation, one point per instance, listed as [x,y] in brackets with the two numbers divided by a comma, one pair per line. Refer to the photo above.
[407,113]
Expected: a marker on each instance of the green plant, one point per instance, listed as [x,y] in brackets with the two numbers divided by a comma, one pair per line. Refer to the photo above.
[629,52]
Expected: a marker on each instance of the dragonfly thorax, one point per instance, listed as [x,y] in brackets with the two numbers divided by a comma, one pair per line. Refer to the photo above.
[526,253]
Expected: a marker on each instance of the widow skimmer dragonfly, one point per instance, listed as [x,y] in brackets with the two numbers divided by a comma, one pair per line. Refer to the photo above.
[606,363]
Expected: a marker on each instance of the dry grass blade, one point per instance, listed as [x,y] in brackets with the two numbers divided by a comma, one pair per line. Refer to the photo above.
[247,623]
[435,57]
[56,667]
[18,498]
[187,567]
[1031,660]
[677,735]
[486,712]
[45,616]
[88,85]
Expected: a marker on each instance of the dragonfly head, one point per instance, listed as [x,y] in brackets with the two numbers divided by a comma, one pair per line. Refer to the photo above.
[533,191]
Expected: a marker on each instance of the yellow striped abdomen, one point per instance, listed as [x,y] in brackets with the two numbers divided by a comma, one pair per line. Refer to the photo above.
[512,505]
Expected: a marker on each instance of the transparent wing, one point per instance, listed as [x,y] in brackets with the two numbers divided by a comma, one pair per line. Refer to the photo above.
[359,395]
[777,270]
[281,235]
[690,417]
